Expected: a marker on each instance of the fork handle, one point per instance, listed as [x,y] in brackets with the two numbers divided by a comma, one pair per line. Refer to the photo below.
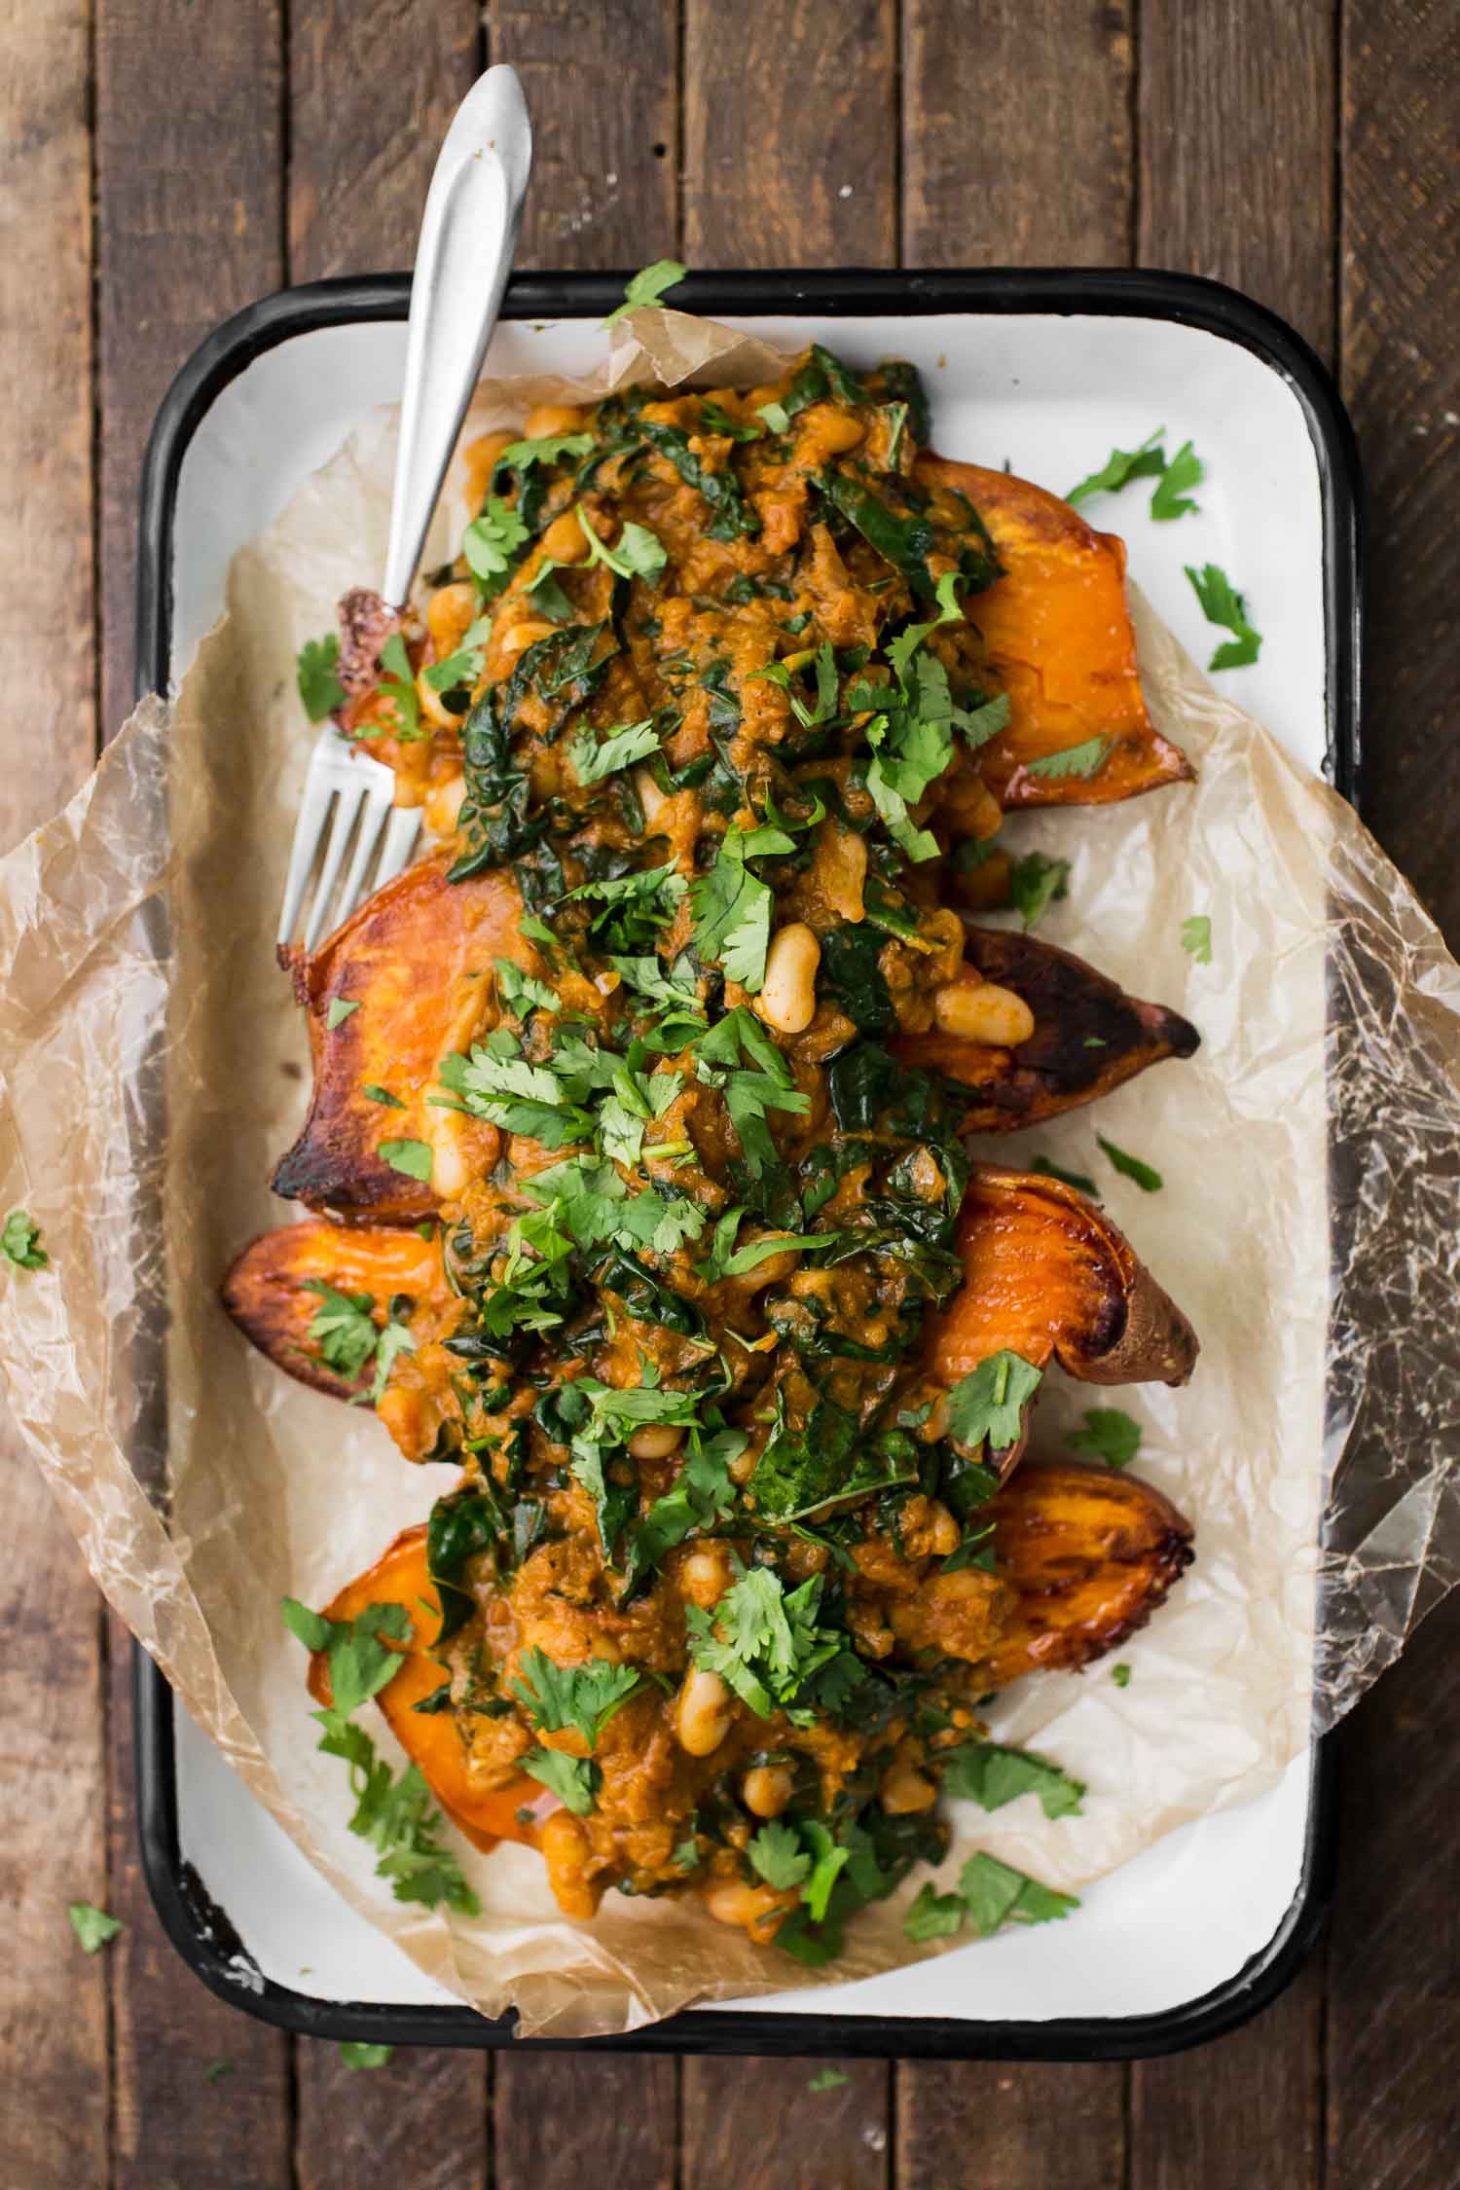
[468,235]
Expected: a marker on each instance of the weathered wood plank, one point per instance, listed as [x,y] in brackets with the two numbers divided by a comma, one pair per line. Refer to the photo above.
[1237,150]
[201,2089]
[54,2094]
[420,2120]
[1393,2003]
[790,134]
[189,180]
[763,2125]
[561,2120]
[1246,2109]
[372,88]
[991,2126]
[1401,377]
[1016,133]
[601,86]
[188,166]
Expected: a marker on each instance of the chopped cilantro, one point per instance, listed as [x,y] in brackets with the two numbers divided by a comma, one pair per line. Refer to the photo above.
[1196,938]
[1086,759]
[1120,1674]
[776,416]
[1123,465]
[584,1696]
[342,1328]
[376,1094]
[1035,883]
[340,1008]
[594,759]
[20,1242]
[933,1916]
[648,286]
[1077,1179]
[989,1403]
[777,1855]
[411,1158]
[1131,1167]
[762,1640]
[520,456]
[639,554]
[572,1779]
[399,687]
[492,541]
[985,1773]
[1110,1433]
[215,2071]
[732,907]
[317,674]
[827,2079]
[1172,497]
[995,1893]
[92,1926]
[1222,604]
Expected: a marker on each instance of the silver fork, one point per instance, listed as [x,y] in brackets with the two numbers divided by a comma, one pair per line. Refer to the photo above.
[468,235]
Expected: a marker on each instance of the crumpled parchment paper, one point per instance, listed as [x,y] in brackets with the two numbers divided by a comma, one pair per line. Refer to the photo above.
[154,1066]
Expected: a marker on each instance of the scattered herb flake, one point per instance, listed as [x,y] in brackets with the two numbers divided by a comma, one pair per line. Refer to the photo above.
[1131,1167]
[1123,465]
[1035,883]
[340,1008]
[828,2079]
[92,1926]
[992,1776]
[1085,759]
[1196,938]
[215,2071]
[317,673]
[1120,1674]
[1077,1179]
[1172,496]
[411,1158]
[988,1405]
[20,1241]
[648,286]
[995,1894]
[933,1916]
[572,1779]
[1222,604]
[359,2053]
[1110,1433]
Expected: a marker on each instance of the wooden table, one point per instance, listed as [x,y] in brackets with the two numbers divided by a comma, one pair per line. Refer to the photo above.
[163,163]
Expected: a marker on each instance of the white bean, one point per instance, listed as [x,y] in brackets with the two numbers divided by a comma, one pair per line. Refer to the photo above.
[787,1000]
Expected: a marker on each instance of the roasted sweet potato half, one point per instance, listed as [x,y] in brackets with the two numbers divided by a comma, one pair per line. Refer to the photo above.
[1089,1554]
[1048,1276]
[267,1291]
[431,1739]
[415,961]
[1058,638]
[1089,1036]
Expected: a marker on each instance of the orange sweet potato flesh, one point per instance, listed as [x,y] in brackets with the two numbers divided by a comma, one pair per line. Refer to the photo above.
[1058,637]
[1048,1276]
[1089,1036]
[1090,1555]
[430,1739]
[416,959]
[265,1294]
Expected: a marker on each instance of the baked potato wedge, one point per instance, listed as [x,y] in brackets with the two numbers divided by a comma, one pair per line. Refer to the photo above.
[1089,1036]
[1049,1277]
[416,964]
[1058,639]
[431,1739]
[1089,1554]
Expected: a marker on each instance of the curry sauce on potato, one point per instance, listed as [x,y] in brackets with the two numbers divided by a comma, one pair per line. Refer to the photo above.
[638,1156]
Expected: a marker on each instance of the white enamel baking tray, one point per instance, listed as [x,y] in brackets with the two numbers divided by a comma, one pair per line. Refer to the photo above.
[1047,371]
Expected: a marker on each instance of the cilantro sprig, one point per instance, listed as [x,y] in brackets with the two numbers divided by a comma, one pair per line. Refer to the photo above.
[647,287]
[1223,605]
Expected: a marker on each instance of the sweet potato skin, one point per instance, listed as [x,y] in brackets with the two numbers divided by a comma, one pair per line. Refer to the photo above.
[1048,1276]
[1090,1554]
[265,1294]
[1059,641]
[416,959]
[401,1576]
[1089,1036]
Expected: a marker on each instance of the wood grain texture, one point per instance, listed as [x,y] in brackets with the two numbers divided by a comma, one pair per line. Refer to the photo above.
[1401,377]
[1394,1951]
[583,2121]
[53,2038]
[189,174]
[372,88]
[1246,2109]
[759,2125]
[189,161]
[201,2089]
[601,84]
[789,151]
[1016,132]
[1237,149]
[984,2125]
[420,2121]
